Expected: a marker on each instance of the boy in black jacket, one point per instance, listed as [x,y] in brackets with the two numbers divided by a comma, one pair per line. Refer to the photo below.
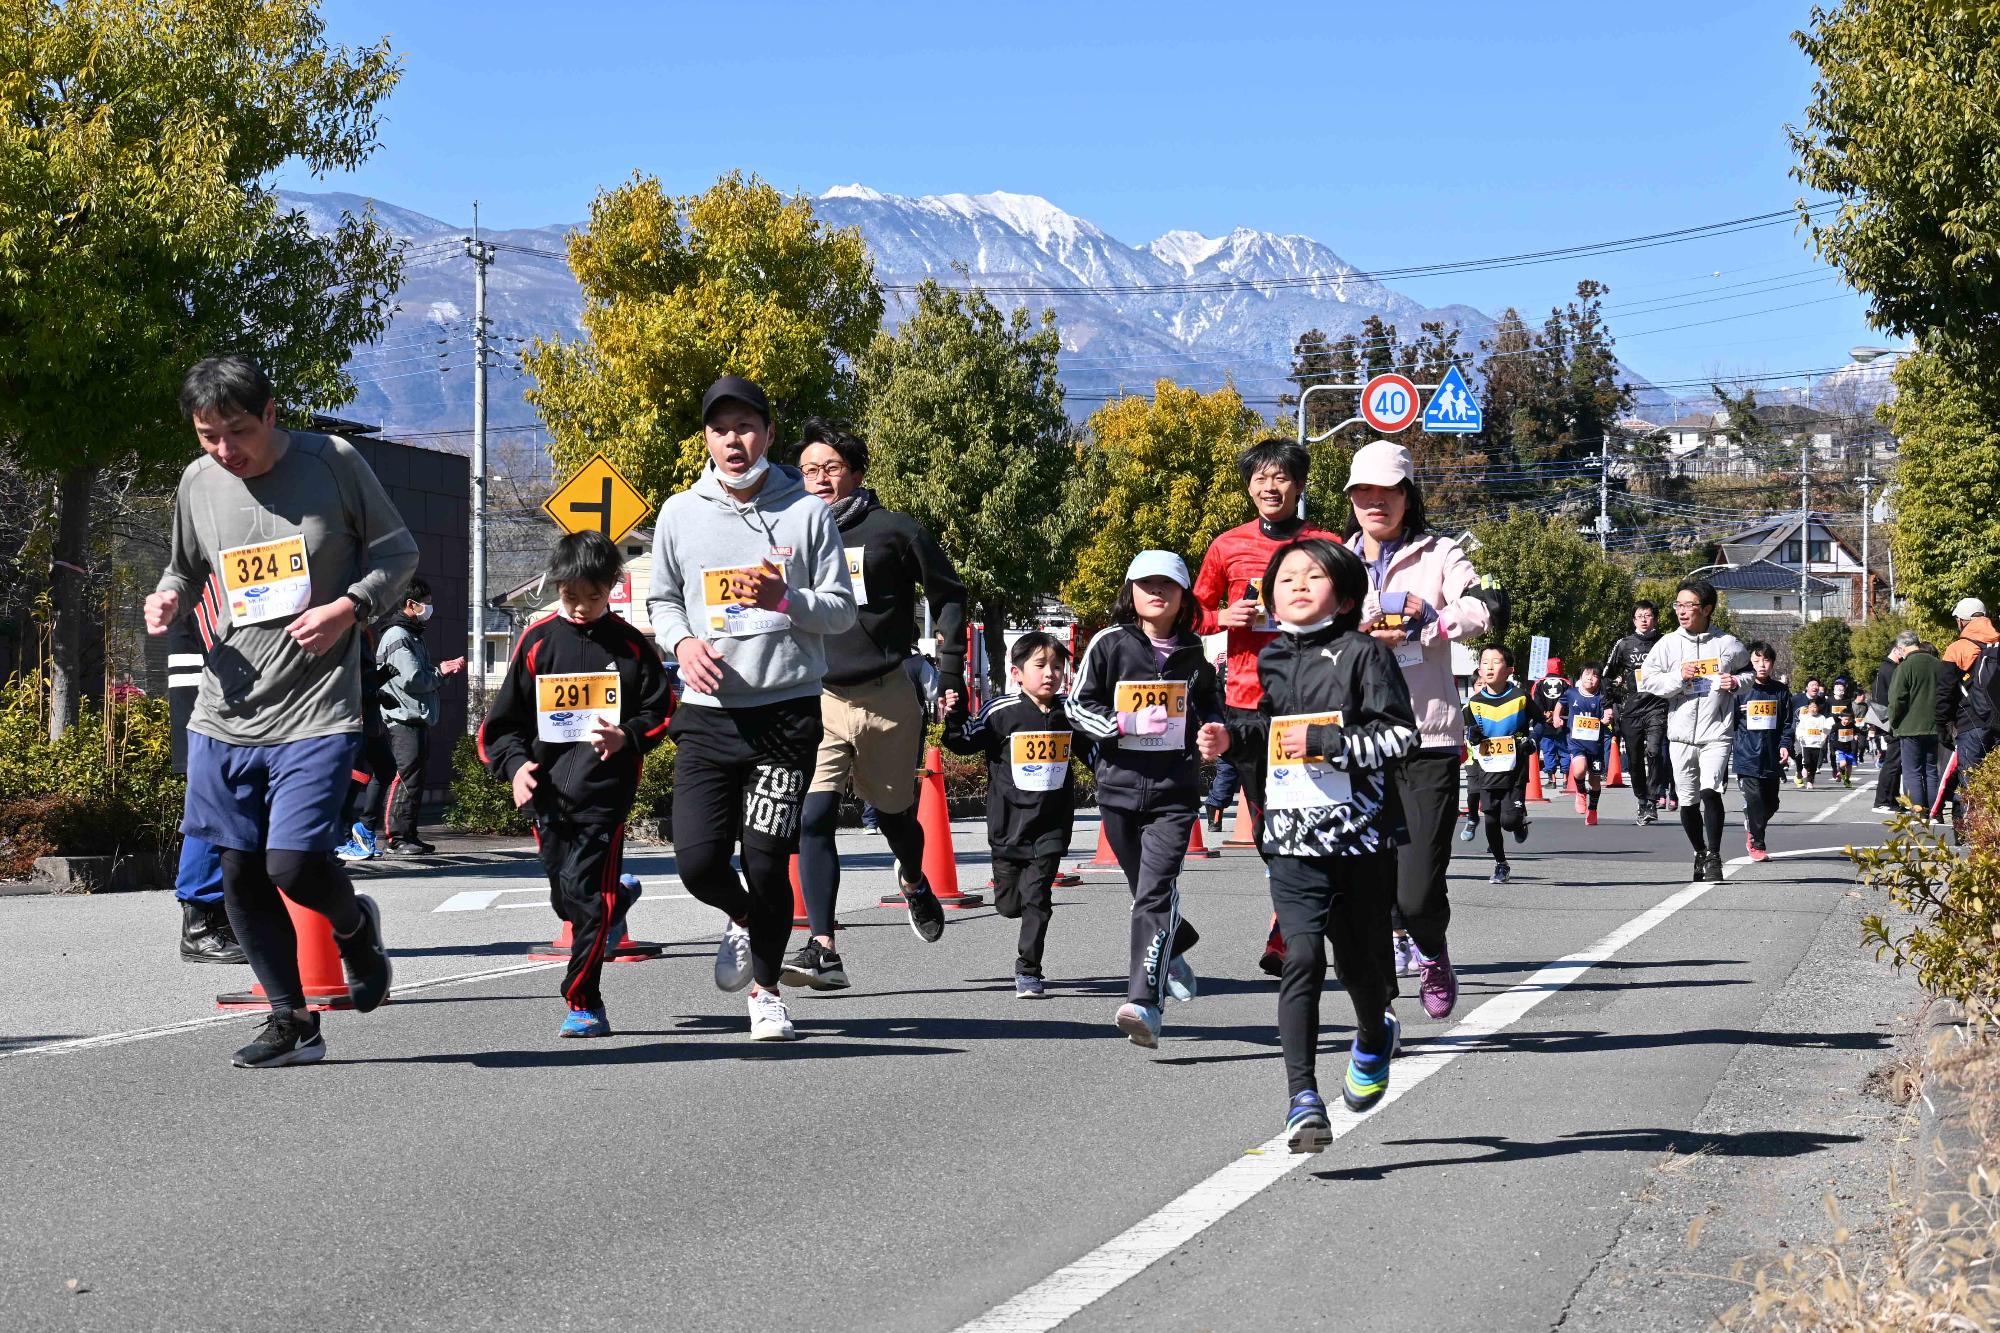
[1335,719]
[1031,792]
[1762,750]
[585,696]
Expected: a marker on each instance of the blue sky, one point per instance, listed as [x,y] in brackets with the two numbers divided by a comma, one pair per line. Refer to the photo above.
[1395,134]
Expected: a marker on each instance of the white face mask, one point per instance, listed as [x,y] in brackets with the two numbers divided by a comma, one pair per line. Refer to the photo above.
[750,477]
[424,612]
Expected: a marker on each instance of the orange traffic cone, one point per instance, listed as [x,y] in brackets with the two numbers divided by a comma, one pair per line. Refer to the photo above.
[940,858]
[1197,849]
[1243,833]
[1615,769]
[1535,782]
[1105,859]
[321,976]
[627,950]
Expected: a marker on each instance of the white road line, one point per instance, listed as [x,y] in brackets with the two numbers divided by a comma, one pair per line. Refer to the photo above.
[1068,1290]
[212,1020]
[1827,813]
[472,900]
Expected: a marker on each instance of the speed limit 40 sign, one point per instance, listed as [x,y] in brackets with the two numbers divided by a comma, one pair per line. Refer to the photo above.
[1389,403]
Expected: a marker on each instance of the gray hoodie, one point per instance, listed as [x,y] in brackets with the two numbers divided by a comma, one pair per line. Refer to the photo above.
[766,658]
[1698,713]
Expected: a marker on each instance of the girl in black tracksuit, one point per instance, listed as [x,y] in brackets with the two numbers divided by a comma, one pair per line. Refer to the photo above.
[1334,723]
[1144,691]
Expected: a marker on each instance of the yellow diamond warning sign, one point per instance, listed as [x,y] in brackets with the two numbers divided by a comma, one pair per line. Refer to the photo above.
[598,498]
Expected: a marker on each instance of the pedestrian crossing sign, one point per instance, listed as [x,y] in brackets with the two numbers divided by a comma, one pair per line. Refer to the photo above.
[1453,410]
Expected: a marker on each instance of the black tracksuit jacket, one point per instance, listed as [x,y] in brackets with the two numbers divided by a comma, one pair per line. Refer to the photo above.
[1023,823]
[1357,677]
[572,782]
[1621,679]
[896,556]
[1132,779]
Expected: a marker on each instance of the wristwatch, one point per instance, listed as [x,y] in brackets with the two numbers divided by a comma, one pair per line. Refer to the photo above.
[362,609]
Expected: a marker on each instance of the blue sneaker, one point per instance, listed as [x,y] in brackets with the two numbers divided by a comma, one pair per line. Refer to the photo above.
[629,890]
[585,1023]
[1306,1128]
[1181,983]
[360,845]
[1367,1079]
[1470,831]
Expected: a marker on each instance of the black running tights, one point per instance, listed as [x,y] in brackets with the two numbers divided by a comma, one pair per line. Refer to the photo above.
[251,882]
[1705,822]
[819,858]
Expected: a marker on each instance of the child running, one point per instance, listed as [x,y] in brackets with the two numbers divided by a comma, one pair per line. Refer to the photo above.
[1815,726]
[585,697]
[1846,740]
[1031,801]
[1765,716]
[1584,715]
[1497,721]
[1141,686]
[1334,720]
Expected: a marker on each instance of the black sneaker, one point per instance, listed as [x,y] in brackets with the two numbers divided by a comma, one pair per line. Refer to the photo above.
[1646,816]
[288,1037]
[366,957]
[1521,833]
[1700,868]
[410,847]
[1215,819]
[926,912]
[815,966]
[1714,868]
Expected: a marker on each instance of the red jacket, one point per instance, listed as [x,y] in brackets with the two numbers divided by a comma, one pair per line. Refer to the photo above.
[1235,559]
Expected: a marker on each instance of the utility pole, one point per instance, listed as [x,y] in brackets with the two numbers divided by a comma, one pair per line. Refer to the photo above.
[1866,480]
[481,255]
[1604,496]
[1805,521]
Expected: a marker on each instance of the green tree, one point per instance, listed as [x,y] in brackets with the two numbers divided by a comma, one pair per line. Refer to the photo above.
[1822,648]
[965,426]
[1869,642]
[1558,584]
[140,231]
[1900,130]
[1164,477]
[1746,428]
[1947,535]
[679,290]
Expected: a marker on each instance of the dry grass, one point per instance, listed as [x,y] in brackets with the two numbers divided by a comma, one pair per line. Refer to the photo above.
[1935,1272]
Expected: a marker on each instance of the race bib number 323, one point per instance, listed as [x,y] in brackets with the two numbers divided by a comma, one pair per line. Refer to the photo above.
[566,707]
[1039,759]
[267,581]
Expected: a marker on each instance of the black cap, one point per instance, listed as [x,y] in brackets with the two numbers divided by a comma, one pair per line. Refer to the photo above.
[742,390]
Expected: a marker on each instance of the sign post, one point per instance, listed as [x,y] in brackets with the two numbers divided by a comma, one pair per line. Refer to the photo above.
[598,497]
[1538,658]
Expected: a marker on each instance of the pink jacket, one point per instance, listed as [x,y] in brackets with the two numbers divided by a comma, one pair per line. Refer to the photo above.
[1435,569]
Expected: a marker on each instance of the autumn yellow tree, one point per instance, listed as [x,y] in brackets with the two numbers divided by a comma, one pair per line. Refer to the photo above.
[1165,472]
[680,289]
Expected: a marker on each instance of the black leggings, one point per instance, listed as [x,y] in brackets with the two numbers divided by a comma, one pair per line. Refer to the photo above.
[819,857]
[251,882]
[1344,901]
[1703,823]
[1505,809]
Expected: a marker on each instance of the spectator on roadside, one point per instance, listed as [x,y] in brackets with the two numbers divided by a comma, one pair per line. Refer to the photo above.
[1913,717]
[1974,660]
[410,686]
[1889,782]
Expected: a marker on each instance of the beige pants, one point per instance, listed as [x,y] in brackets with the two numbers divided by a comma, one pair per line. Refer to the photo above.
[873,735]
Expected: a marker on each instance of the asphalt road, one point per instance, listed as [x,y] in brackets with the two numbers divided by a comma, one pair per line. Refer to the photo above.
[934,1152]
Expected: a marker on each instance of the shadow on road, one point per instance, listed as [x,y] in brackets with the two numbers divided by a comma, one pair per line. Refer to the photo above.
[1686,1143]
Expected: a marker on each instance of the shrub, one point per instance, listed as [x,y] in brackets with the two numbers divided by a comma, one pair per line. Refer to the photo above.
[106,787]
[1954,946]
[480,803]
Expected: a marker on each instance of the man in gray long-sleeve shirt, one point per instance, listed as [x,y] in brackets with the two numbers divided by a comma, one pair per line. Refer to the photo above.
[281,542]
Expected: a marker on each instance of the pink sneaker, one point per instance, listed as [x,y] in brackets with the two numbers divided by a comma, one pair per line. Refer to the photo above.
[1438,984]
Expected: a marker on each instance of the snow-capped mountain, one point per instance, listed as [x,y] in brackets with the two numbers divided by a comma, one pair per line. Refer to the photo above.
[1196,309]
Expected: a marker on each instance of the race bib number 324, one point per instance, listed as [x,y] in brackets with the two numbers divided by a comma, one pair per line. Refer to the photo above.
[267,581]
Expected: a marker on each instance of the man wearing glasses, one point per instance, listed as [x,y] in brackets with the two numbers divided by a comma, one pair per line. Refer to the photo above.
[872,716]
[1697,672]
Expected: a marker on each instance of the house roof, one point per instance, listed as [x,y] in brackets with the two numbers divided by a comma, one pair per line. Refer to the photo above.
[1766,576]
[1761,540]
[1700,421]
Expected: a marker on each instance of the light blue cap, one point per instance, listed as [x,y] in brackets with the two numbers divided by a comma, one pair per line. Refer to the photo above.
[1165,564]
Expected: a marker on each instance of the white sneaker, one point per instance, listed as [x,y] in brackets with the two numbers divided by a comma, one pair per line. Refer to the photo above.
[1181,983]
[732,958]
[1140,1022]
[769,1019]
